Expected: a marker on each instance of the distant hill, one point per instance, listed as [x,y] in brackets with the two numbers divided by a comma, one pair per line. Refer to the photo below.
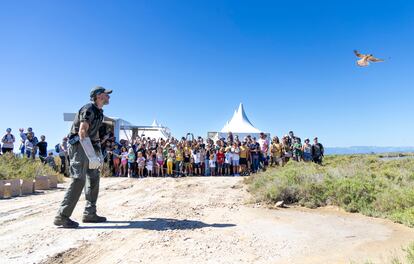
[365,150]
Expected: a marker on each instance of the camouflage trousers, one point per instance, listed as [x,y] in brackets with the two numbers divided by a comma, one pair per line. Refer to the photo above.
[81,178]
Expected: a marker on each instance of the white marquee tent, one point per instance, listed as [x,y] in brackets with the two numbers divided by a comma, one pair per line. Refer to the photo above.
[239,125]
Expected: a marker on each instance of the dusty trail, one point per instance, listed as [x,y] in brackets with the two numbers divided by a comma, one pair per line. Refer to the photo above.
[191,220]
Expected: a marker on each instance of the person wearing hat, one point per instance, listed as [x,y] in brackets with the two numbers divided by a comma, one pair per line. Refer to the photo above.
[8,142]
[87,122]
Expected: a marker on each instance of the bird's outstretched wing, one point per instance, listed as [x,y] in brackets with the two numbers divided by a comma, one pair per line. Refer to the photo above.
[373,59]
[359,55]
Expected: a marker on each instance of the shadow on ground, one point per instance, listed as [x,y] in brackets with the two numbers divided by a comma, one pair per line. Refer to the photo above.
[158,224]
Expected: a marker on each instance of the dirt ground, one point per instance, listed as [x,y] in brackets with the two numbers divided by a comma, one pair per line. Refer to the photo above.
[191,220]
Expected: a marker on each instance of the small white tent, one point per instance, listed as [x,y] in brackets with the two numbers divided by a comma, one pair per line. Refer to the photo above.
[155,130]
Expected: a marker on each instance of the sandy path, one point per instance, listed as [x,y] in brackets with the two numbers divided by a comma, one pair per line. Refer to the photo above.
[191,220]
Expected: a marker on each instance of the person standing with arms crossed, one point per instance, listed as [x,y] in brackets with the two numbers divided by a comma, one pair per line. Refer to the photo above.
[86,124]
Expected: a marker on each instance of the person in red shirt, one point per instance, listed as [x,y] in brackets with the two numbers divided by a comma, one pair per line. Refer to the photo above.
[220,161]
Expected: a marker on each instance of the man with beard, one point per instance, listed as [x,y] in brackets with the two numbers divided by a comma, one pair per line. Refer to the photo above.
[85,126]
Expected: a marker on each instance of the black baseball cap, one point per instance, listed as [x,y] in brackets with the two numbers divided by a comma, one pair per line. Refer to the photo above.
[98,90]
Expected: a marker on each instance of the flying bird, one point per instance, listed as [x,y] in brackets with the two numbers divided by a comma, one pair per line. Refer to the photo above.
[365,59]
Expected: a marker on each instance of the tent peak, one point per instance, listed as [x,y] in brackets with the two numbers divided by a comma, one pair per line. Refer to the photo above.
[240,122]
[155,123]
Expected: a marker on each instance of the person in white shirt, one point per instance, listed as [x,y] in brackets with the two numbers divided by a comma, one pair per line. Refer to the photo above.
[227,161]
[29,146]
[235,150]
[149,165]
[264,148]
[212,164]
[197,161]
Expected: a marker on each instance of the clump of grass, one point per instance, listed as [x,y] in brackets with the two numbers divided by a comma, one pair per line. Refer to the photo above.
[106,170]
[409,256]
[357,183]
[12,167]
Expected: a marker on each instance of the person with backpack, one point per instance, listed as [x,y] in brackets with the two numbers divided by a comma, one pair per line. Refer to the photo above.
[317,151]
[8,142]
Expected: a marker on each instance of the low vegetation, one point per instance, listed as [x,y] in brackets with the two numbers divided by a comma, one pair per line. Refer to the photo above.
[409,256]
[106,170]
[367,184]
[12,167]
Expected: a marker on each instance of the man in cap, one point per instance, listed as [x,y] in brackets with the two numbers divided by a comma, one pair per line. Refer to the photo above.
[87,122]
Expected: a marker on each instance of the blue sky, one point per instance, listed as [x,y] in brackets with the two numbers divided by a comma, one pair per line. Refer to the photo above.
[189,64]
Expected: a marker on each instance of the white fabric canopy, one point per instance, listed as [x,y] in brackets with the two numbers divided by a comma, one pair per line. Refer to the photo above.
[239,123]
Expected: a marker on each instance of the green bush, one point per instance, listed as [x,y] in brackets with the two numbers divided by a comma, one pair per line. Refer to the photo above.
[12,167]
[357,183]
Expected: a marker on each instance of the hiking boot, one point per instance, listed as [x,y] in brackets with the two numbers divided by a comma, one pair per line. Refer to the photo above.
[94,218]
[65,222]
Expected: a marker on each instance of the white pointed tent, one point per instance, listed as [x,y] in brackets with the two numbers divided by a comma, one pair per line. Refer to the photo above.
[239,125]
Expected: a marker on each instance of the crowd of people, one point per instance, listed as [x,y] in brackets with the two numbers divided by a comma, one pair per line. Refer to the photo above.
[144,156]
[30,147]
